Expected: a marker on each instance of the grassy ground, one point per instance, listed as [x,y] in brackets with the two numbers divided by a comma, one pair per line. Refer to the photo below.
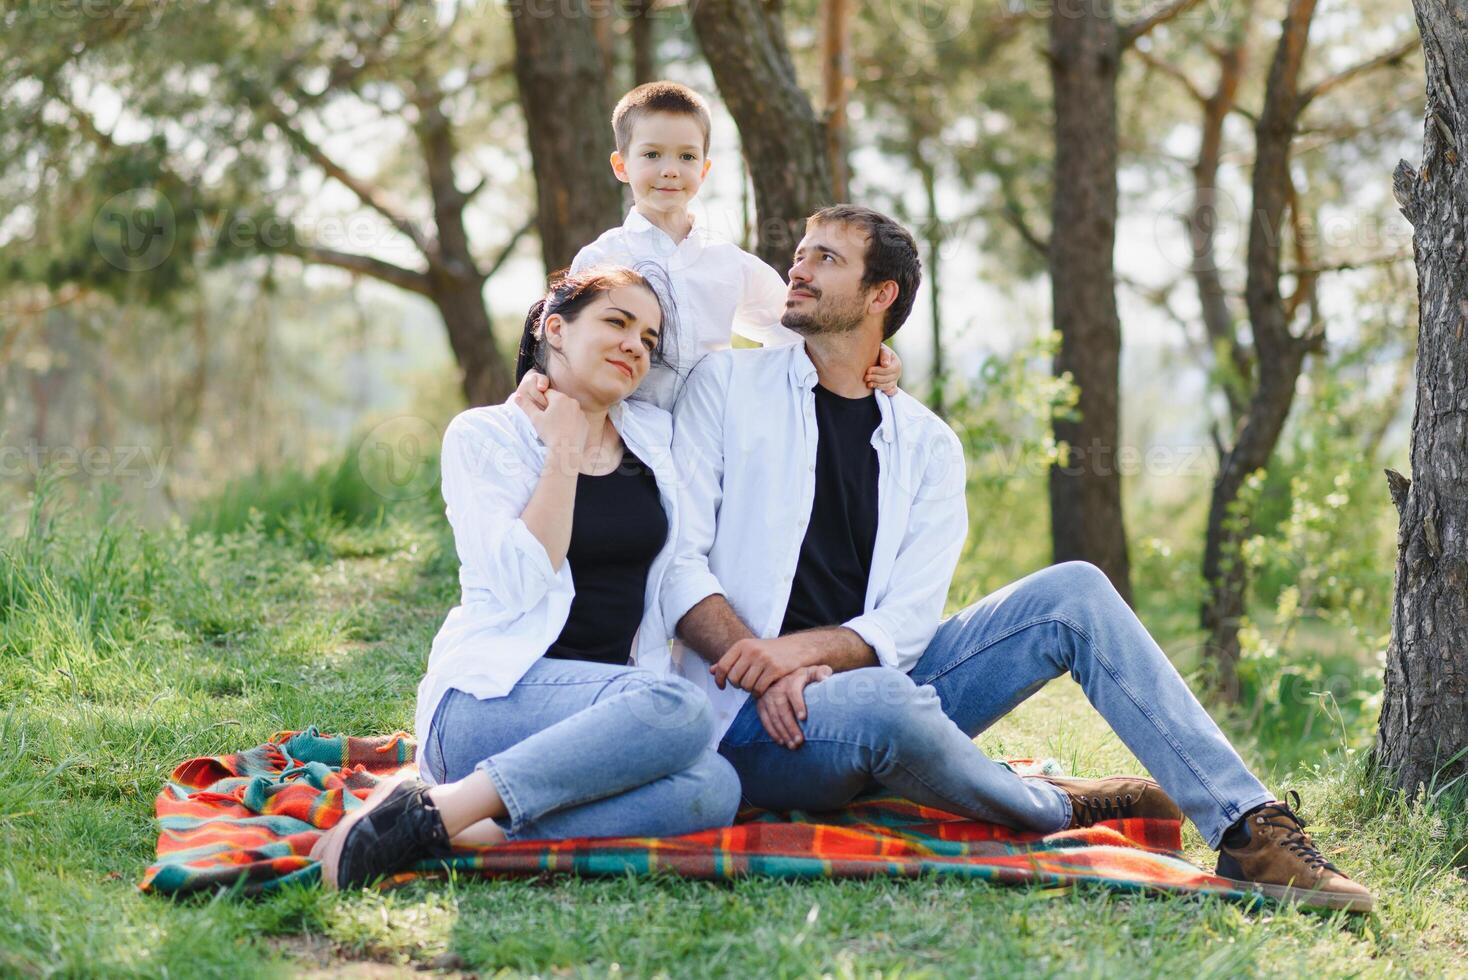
[123,652]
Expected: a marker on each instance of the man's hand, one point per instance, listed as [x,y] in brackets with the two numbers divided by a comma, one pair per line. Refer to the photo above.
[782,707]
[756,664]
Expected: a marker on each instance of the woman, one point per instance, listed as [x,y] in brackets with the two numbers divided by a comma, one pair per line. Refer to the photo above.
[530,723]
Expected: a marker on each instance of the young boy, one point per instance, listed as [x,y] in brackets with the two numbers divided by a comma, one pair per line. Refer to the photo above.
[662,136]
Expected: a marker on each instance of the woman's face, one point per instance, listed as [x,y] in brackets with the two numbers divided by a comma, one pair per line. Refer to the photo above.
[602,356]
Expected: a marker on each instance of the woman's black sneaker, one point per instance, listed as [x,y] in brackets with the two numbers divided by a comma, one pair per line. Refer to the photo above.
[396,827]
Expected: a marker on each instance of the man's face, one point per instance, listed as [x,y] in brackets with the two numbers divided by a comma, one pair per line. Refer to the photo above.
[826,294]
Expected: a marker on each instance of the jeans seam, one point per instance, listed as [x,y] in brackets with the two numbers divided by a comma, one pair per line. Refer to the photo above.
[988,642]
[572,682]
[901,765]
[1057,619]
[1141,706]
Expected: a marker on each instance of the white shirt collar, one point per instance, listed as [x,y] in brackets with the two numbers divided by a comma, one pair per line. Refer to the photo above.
[636,223]
[803,375]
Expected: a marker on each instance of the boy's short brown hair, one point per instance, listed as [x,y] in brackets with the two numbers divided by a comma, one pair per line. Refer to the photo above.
[658,97]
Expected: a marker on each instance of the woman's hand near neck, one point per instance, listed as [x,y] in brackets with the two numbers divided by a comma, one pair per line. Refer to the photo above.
[600,451]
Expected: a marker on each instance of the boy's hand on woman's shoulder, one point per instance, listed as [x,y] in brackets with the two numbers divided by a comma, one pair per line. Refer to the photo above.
[531,394]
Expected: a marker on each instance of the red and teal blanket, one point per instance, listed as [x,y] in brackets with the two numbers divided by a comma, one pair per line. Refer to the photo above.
[250,820]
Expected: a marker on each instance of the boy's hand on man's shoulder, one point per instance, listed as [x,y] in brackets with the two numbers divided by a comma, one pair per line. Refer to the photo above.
[886,372]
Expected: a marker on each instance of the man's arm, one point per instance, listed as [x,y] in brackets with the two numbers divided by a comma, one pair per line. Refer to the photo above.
[907,611]
[698,450]
[754,664]
[711,627]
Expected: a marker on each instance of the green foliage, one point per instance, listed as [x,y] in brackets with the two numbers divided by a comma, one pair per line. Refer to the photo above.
[339,639]
[1321,559]
[1003,419]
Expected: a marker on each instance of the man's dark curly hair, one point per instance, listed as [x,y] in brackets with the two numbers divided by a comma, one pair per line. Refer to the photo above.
[891,254]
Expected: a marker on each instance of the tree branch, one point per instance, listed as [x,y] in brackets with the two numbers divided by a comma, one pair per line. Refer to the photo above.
[1016,219]
[509,246]
[1173,72]
[365,265]
[1392,56]
[1387,258]
[365,192]
[1140,28]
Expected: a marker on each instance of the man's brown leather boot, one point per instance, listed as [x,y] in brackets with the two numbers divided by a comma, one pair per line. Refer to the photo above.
[1114,798]
[1278,859]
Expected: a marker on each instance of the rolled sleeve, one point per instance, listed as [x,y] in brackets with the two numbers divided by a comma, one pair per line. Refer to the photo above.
[688,585]
[906,615]
[869,627]
[486,483]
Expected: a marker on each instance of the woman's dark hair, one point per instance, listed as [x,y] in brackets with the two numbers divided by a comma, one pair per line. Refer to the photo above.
[571,292]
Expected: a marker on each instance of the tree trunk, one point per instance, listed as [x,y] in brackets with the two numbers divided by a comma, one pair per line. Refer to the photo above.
[835,71]
[783,141]
[1424,715]
[563,89]
[1085,494]
[455,283]
[1280,354]
[485,376]
[934,238]
[644,42]
[1231,357]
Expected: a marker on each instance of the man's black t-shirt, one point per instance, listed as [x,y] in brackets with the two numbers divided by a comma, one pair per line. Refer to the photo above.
[830,584]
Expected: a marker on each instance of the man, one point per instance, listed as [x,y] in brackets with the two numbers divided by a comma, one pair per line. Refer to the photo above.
[821,526]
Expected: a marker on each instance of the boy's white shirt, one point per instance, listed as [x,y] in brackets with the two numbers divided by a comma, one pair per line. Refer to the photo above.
[745,437]
[718,290]
[513,604]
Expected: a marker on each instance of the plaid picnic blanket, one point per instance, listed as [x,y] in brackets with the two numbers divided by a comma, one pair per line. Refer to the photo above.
[250,819]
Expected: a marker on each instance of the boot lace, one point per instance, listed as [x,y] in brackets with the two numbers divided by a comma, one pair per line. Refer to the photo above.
[1283,817]
[1088,809]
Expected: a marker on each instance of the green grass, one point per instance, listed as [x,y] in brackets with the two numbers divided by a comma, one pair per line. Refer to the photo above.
[124,651]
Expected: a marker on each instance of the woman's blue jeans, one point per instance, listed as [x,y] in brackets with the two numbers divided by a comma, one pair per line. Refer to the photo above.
[913,733]
[589,750]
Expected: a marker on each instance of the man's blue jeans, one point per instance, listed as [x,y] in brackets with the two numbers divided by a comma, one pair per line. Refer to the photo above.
[589,750]
[913,733]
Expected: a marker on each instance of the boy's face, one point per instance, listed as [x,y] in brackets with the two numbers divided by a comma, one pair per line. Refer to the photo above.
[826,294]
[665,163]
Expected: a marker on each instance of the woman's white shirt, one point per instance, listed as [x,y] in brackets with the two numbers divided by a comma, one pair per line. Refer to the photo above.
[513,604]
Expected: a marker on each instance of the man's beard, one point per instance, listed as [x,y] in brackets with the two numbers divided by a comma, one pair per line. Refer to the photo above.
[827,318]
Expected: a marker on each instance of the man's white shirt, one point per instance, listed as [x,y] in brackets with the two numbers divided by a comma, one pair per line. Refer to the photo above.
[717,288]
[744,436]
